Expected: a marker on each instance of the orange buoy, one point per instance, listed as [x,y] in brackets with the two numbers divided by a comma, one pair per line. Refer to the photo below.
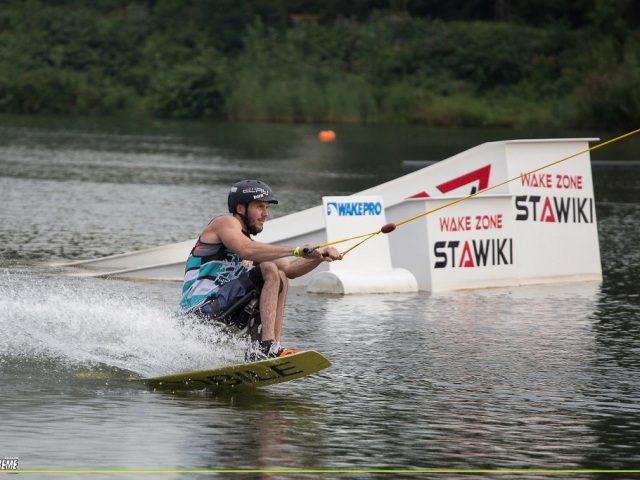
[326,136]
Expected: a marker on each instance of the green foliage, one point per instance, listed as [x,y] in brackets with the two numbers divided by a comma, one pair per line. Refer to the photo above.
[610,99]
[367,61]
[186,91]
[49,91]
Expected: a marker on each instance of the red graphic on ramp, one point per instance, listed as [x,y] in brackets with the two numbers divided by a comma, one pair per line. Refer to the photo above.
[481,175]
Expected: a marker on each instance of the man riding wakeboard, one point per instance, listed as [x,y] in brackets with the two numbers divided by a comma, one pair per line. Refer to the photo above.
[226,263]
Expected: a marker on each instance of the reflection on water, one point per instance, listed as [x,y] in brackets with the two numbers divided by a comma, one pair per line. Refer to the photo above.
[455,379]
[534,377]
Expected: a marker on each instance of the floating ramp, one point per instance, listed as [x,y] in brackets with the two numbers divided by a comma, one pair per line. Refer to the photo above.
[535,229]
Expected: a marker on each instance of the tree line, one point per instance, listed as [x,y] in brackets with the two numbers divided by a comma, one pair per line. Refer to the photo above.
[573,63]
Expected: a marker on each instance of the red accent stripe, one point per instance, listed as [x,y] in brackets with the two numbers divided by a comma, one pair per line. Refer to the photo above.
[481,175]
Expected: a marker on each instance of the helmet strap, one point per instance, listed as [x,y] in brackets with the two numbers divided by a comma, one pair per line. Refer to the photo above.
[245,219]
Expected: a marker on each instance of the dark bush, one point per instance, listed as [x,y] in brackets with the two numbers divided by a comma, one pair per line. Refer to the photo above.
[610,99]
[557,63]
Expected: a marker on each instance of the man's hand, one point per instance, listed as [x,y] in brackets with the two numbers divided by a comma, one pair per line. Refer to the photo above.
[313,252]
[330,254]
[311,256]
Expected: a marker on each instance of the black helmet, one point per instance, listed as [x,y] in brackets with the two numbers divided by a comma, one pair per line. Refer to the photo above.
[248,190]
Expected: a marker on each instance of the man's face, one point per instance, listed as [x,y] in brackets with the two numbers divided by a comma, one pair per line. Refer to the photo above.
[257,213]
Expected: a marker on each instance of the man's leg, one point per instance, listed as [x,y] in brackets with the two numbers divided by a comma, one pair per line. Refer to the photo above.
[269,301]
[272,301]
[282,298]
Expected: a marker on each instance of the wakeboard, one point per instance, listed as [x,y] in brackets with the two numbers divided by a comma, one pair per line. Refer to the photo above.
[246,375]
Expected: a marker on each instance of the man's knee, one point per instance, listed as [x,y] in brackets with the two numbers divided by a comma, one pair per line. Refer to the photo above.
[269,270]
[271,273]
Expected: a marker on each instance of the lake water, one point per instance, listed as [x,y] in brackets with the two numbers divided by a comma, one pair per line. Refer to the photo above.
[536,378]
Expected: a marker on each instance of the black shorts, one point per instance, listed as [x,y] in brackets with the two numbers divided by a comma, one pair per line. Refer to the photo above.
[232,291]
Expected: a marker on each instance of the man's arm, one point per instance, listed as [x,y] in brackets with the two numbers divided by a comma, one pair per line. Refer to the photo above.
[228,230]
[300,266]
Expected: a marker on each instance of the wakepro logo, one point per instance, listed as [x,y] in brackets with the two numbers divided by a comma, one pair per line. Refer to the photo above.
[353,209]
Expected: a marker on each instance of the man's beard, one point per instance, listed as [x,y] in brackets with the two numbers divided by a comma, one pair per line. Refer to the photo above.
[253,228]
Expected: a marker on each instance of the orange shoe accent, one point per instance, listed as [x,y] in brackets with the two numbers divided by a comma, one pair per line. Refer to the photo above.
[287,351]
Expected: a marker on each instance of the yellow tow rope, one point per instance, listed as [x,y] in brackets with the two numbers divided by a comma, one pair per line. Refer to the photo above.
[390,227]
